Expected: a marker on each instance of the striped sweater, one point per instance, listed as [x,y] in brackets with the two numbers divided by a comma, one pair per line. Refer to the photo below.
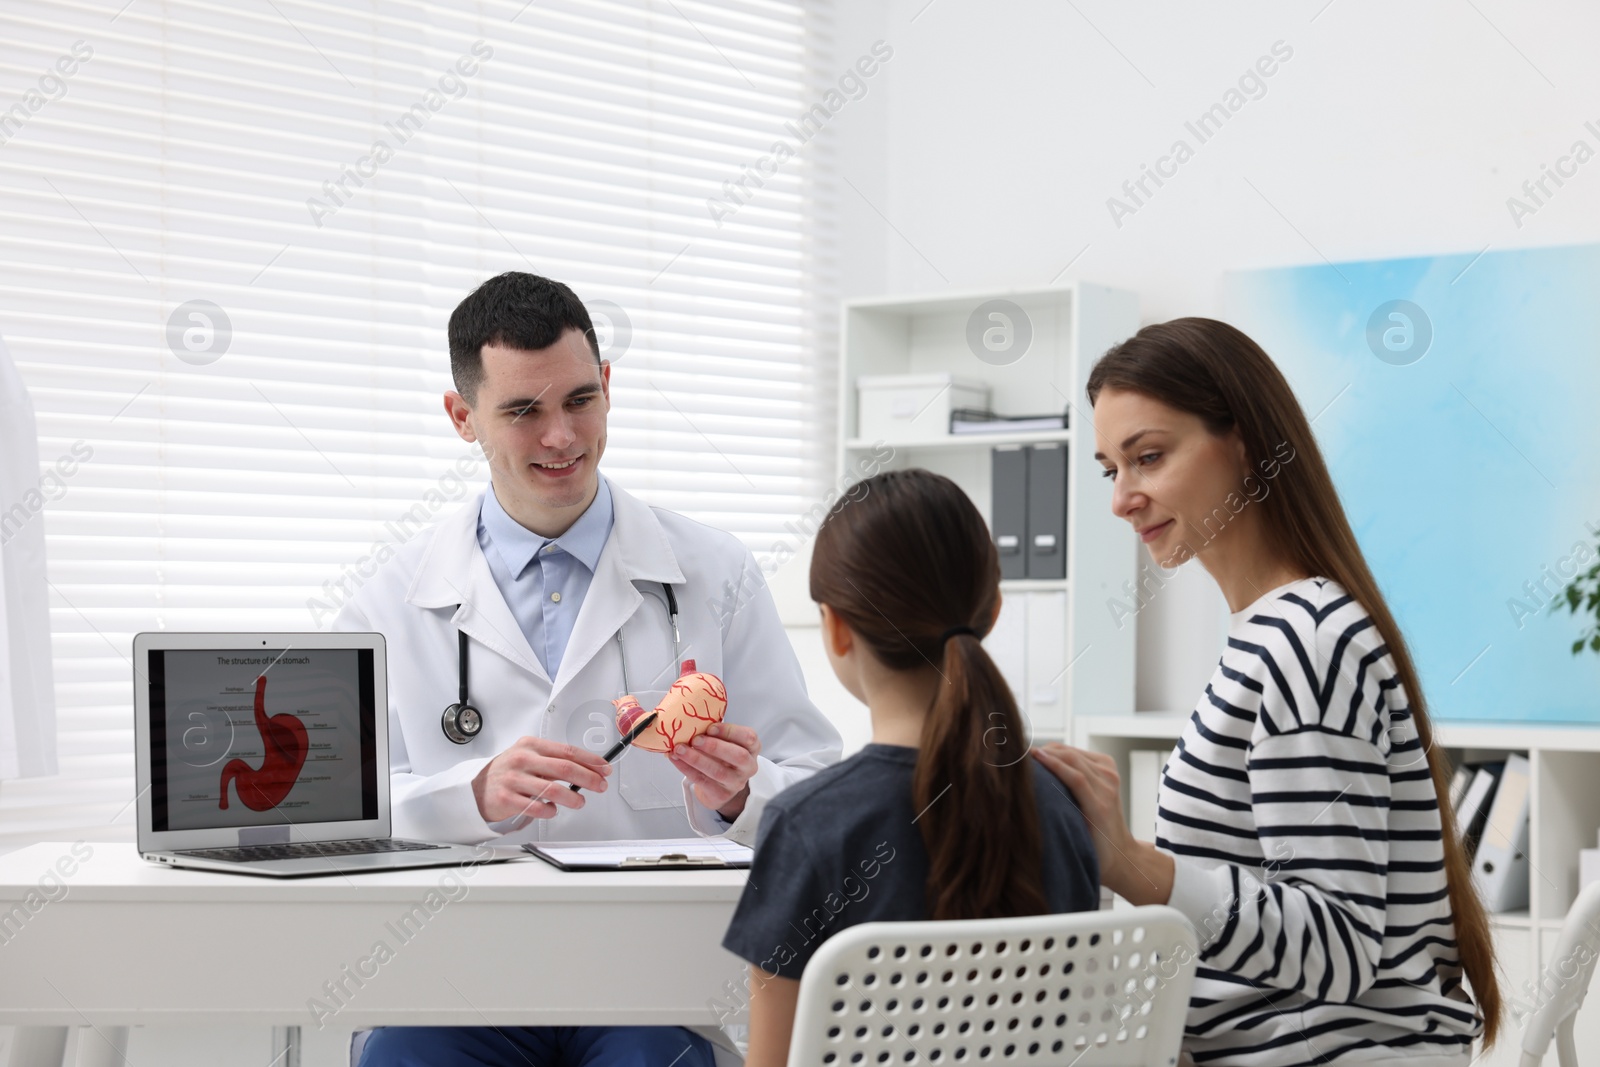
[1305,833]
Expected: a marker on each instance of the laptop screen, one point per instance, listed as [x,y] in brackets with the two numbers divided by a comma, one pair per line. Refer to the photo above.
[256,737]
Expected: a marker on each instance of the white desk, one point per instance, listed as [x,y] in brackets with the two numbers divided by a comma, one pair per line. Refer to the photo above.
[126,942]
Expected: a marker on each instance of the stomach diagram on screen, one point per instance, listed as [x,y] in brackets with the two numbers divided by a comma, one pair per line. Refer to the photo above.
[285,745]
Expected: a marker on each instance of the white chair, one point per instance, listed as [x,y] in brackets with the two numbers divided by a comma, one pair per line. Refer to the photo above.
[1093,989]
[1564,983]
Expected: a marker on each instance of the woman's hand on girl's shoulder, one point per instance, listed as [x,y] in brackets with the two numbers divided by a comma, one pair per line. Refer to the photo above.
[1093,780]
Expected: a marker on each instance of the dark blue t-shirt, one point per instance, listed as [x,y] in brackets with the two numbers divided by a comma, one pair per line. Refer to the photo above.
[841,848]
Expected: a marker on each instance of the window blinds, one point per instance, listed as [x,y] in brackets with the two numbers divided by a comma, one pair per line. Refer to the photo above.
[235,236]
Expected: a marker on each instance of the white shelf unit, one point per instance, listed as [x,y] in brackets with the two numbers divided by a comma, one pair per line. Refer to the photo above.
[1564,816]
[1056,641]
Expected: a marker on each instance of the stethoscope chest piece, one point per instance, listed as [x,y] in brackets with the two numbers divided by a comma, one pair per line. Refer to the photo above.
[461,723]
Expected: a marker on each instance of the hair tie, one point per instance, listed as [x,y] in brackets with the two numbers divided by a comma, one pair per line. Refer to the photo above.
[948,634]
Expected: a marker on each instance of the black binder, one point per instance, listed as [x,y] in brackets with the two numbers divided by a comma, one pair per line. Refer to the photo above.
[1008,508]
[1047,511]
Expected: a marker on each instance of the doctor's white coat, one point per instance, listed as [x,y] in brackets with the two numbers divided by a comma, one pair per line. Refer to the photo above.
[439,582]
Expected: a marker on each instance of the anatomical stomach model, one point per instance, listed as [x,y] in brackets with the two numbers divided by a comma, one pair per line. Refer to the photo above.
[694,703]
[284,741]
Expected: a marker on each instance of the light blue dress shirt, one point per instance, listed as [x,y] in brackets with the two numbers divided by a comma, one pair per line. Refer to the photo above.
[544,579]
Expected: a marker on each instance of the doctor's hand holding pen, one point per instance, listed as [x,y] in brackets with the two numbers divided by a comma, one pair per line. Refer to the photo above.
[527,778]
[530,777]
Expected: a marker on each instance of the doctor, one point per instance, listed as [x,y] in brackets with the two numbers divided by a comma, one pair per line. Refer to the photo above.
[569,593]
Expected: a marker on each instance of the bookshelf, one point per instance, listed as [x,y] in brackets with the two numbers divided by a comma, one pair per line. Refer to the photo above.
[1564,816]
[1056,642]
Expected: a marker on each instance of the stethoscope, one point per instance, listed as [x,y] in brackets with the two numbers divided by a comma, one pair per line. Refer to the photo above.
[462,722]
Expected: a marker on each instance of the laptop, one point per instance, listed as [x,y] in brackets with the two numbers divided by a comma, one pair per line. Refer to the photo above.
[268,754]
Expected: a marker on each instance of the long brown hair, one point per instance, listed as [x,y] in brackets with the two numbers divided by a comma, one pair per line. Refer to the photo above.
[902,558]
[1214,371]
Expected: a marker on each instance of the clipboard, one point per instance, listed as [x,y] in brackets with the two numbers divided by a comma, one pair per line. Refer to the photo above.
[707,853]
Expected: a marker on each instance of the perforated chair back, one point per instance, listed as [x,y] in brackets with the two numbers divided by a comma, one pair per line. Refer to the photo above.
[1091,989]
[1564,983]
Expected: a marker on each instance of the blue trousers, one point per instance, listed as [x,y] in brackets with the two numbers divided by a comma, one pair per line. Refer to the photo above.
[538,1046]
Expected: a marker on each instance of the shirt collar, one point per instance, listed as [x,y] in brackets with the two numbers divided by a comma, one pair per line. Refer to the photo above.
[518,545]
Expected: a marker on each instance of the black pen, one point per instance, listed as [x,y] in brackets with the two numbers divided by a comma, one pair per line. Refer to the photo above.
[627,739]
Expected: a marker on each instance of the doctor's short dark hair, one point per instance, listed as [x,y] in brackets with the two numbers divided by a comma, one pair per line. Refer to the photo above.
[512,310]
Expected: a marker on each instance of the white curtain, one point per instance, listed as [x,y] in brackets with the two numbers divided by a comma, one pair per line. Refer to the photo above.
[235,233]
[27,693]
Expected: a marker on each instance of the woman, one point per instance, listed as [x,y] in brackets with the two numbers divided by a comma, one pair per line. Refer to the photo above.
[1303,826]
[940,816]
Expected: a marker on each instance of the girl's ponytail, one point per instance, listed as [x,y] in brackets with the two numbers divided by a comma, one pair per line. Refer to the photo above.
[974,791]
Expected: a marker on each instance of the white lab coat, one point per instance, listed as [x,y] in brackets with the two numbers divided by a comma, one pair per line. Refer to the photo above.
[439,582]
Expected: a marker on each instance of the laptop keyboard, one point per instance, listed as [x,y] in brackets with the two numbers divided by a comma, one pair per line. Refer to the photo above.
[302,850]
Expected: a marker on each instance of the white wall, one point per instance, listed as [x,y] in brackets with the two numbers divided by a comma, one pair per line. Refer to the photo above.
[993,138]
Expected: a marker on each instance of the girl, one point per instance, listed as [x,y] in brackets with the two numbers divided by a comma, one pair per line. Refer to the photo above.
[942,815]
[1302,823]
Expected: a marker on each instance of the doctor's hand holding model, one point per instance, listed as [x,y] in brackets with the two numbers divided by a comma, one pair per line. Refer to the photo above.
[514,623]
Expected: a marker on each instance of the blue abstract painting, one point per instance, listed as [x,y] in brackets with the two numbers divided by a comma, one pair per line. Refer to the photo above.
[1457,401]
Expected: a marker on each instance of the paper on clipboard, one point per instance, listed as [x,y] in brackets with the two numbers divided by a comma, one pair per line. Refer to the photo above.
[644,853]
